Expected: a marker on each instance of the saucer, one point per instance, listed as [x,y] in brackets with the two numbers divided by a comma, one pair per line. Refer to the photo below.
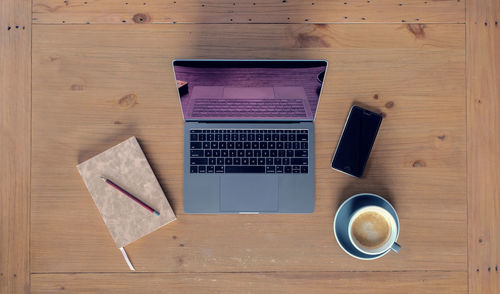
[341,222]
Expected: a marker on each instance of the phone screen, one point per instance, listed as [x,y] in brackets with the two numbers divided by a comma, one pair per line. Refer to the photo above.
[356,141]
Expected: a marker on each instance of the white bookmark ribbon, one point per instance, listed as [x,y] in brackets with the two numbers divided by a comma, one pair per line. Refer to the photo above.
[126,259]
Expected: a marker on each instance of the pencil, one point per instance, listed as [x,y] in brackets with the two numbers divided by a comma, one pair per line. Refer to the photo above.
[109,182]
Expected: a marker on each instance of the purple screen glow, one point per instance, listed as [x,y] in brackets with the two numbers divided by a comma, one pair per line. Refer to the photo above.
[249,90]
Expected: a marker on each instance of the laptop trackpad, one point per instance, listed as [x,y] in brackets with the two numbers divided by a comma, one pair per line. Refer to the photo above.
[249,193]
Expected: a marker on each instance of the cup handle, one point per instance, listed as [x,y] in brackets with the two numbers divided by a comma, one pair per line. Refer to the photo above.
[396,247]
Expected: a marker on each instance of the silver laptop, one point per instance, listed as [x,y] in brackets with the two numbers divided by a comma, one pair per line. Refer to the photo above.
[249,134]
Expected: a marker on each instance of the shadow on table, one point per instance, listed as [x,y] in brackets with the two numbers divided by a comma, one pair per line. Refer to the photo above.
[108,142]
[367,184]
[354,187]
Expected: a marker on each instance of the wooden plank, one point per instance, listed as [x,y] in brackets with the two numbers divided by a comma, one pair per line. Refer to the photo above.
[302,282]
[15,144]
[414,74]
[483,144]
[250,11]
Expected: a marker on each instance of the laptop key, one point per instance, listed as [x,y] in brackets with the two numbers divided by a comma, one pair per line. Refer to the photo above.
[296,169]
[237,161]
[269,161]
[245,169]
[194,137]
[202,137]
[210,169]
[253,161]
[301,137]
[199,161]
[230,145]
[232,153]
[208,153]
[220,161]
[216,153]
[197,153]
[257,153]
[279,169]
[300,153]
[224,153]
[194,169]
[299,161]
[211,161]
[202,169]
[265,153]
[219,169]
[195,145]
[214,145]
[261,161]
[228,161]
[304,145]
[270,169]
[244,161]
[288,169]
[206,145]
[303,169]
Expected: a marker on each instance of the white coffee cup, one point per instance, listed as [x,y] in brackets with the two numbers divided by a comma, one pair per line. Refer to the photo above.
[373,230]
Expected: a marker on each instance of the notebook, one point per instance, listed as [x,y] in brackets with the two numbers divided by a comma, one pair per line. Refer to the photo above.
[126,165]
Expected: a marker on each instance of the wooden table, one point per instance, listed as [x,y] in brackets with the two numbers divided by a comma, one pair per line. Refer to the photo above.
[78,77]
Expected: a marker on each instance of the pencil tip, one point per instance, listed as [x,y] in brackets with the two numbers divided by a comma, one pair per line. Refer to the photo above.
[103,178]
[157,213]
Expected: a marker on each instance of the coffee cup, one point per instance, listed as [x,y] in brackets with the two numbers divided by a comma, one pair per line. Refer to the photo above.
[348,232]
[373,230]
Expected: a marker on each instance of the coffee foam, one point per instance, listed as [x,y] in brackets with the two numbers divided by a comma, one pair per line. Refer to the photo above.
[371,230]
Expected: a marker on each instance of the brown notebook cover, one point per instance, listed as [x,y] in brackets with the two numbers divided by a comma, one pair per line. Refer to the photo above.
[126,165]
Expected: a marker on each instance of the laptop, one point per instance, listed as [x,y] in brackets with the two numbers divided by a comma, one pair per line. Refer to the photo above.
[249,134]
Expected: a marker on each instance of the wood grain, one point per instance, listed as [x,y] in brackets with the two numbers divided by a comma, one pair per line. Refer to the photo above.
[15,144]
[302,282]
[483,144]
[82,73]
[229,11]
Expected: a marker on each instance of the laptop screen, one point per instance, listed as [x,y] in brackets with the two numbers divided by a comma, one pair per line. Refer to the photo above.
[279,90]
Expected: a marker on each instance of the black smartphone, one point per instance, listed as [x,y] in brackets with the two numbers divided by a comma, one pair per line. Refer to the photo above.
[356,142]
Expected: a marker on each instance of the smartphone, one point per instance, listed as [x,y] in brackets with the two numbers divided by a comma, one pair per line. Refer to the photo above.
[356,141]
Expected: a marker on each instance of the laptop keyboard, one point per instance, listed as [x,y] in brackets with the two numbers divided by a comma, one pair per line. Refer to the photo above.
[218,107]
[249,151]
